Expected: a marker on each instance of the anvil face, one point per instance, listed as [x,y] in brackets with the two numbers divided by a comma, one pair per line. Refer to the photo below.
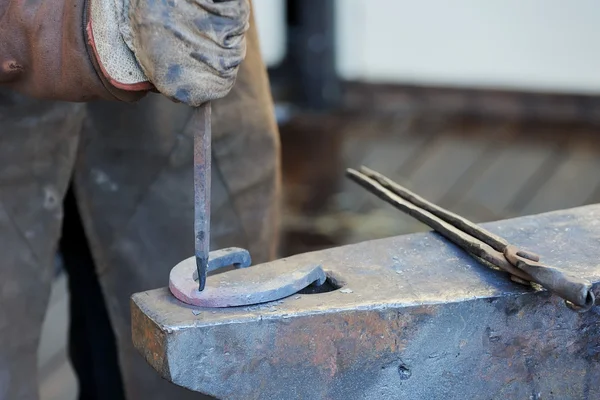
[414,317]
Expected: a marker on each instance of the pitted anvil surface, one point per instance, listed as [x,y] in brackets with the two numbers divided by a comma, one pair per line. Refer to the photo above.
[415,317]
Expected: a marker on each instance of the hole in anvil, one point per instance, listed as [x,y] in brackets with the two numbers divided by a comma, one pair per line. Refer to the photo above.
[331,284]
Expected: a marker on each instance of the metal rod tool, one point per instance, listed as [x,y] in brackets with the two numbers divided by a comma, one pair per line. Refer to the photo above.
[202,190]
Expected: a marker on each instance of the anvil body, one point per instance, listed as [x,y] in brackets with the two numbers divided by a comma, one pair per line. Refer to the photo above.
[414,317]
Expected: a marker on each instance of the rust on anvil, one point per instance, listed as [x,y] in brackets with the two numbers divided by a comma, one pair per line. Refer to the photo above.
[202,191]
[413,317]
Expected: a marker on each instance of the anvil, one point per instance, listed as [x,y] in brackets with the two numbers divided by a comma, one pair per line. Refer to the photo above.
[404,317]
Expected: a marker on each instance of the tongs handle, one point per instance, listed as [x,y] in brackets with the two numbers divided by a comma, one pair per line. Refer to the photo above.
[463,224]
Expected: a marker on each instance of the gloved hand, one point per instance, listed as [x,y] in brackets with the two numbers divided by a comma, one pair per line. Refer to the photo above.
[79,50]
[189,50]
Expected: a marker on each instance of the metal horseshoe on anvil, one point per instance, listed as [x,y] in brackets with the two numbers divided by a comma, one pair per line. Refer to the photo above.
[189,281]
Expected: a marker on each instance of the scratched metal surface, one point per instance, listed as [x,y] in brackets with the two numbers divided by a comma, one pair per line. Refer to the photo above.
[415,318]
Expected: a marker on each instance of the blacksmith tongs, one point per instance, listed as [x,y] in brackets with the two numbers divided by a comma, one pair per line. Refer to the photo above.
[524,266]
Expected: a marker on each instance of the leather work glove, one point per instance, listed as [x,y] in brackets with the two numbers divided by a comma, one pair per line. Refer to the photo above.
[80,50]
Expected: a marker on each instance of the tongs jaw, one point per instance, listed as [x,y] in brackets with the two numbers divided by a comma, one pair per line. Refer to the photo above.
[577,292]
[480,243]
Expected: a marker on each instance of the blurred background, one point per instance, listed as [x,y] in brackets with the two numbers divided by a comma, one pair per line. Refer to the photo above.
[490,109]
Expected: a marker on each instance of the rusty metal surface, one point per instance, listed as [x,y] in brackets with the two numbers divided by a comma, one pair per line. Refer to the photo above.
[415,317]
[243,286]
[478,241]
[202,192]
